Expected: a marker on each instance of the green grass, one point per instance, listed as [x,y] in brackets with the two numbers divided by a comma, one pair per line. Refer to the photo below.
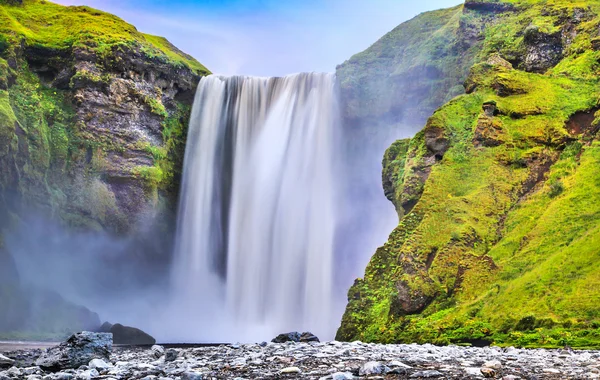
[500,260]
[52,26]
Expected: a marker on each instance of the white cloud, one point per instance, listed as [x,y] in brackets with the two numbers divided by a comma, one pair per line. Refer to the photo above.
[282,38]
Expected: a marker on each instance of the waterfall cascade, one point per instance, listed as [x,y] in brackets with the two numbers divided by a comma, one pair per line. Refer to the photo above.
[254,254]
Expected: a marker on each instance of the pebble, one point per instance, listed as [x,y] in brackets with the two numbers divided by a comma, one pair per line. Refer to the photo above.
[158,351]
[291,370]
[322,361]
[372,368]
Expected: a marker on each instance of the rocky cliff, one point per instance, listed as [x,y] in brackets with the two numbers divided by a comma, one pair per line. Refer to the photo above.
[93,118]
[498,194]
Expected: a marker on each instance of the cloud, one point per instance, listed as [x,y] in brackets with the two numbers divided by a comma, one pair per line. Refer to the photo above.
[268,38]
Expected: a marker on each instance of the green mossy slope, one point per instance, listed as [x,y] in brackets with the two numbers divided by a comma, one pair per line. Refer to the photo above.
[47,25]
[499,198]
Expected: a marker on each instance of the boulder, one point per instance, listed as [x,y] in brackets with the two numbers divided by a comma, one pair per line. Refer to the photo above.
[295,336]
[6,362]
[130,336]
[76,351]
[171,355]
[158,351]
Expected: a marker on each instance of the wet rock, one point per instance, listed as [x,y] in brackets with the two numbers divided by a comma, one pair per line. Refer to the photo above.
[373,368]
[5,362]
[157,351]
[430,374]
[171,355]
[307,337]
[99,364]
[78,350]
[130,336]
[191,376]
[295,337]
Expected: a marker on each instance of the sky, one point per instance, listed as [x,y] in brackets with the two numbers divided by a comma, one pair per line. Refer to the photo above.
[267,37]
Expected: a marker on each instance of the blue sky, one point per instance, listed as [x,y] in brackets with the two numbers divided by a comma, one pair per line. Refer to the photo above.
[267,37]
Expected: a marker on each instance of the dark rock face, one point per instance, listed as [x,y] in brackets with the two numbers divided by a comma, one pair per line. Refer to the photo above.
[295,336]
[78,350]
[130,336]
[543,50]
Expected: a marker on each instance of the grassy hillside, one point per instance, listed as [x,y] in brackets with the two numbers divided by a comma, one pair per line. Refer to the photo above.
[499,197]
[47,25]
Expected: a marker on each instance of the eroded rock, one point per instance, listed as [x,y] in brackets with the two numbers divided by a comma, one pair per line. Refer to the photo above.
[78,350]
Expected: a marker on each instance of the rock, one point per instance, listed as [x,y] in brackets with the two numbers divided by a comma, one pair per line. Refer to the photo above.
[290,370]
[307,337]
[78,350]
[130,336]
[89,374]
[426,374]
[158,351]
[190,375]
[494,364]
[171,354]
[342,376]
[5,362]
[105,328]
[488,372]
[338,376]
[287,337]
[295,336]
[99,364]
[372,368]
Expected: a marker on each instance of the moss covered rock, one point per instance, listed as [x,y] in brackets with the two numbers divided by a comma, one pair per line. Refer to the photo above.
[499,243]
[95,114]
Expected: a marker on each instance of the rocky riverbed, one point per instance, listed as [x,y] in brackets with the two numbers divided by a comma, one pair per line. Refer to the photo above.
[331,360]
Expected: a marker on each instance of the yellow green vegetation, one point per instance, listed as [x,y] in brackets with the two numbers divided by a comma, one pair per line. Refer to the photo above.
[45,24]
[502,242]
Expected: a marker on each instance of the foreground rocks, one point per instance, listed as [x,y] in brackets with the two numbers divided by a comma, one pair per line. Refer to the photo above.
[325,361]
[80,349]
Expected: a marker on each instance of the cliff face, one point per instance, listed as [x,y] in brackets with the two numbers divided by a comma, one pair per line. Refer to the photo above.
[93,120]
[94,114]
[498,195]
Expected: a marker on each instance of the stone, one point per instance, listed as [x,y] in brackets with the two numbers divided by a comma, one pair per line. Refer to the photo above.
[372,368]
[158,351]
[494,364]
[131,336]
[99,364]
[488,372]
[287,337]
[342,376]
[290,370]
[429,374]
[307,337]
[6,362]
[190,375]
[89,374]
[76,351]
[171,354]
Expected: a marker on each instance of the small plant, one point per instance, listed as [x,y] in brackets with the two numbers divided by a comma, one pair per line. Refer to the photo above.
[556,189]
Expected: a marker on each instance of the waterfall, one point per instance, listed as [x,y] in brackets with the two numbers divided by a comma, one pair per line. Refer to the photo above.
[254,252]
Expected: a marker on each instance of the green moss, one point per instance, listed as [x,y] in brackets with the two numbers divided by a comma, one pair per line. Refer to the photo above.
[51,26]
[501,239]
